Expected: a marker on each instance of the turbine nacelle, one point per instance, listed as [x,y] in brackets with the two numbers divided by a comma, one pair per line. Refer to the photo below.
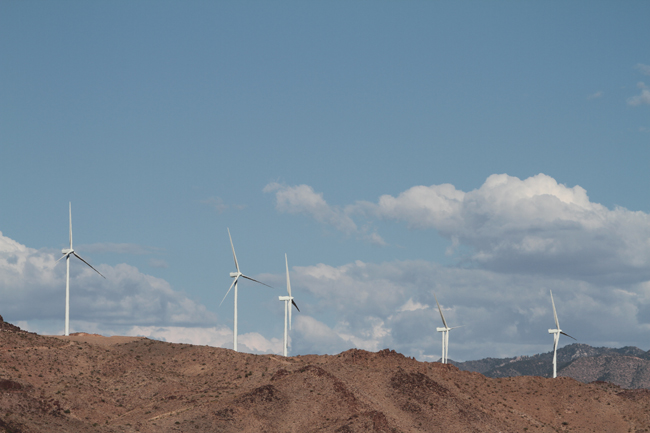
[235,274]
[67,251]
[285,298]
[555,331]
[442,329]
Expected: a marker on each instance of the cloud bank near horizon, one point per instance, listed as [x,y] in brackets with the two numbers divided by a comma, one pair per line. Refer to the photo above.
[517,239]
[32,284]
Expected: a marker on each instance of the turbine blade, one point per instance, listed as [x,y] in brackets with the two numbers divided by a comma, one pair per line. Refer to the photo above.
[459,326]
[444,322]
[564,333]
[70,209]
[60,258]
[286,262]
[233,251]
[295,305]
[230,288]
[91,267]
[252,279]
[557,324]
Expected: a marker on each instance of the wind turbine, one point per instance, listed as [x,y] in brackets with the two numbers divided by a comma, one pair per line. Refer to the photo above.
[445,333]
[556,337]
[236,276]
[67,252]
[287,308]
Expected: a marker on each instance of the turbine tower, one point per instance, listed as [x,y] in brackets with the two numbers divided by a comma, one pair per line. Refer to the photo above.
[287,309]
[67,252]
[445,333]
[236,276]
[556,337]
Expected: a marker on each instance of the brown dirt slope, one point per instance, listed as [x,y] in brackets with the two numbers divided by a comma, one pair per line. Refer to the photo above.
[84,384]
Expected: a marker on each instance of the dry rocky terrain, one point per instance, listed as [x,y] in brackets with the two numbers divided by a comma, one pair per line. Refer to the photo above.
[89,383]
[628,367]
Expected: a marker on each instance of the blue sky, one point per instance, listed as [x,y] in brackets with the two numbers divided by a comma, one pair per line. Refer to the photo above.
[487,152]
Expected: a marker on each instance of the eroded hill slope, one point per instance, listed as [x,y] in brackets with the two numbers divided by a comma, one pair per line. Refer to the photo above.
[91,383]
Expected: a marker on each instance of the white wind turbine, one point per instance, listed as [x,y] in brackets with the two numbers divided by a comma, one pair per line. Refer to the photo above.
[236,276]
[445,333]
[67,252]
[556,336]
[287,309]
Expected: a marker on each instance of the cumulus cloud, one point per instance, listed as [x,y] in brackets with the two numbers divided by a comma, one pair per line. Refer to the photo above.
[128,302]
[311,336]
[501,314]
[518,239]
[535,225]
[32,285]
[410,305]
[530,225]
[642,98]
[302,199]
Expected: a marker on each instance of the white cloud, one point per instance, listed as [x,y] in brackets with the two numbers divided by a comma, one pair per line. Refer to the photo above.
[643,98]
[302,199]
[521,238]
[501,314]
[412,306]
[531,225]
[312,336]
[32,286]
[128,302]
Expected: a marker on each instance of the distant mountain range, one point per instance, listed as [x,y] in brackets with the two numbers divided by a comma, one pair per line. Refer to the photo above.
[627,367]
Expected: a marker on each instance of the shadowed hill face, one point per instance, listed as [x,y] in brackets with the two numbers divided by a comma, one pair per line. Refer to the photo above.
[628,367]
[90,383]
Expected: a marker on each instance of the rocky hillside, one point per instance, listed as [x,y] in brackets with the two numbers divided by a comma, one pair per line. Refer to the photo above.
[628,367]
[89,383]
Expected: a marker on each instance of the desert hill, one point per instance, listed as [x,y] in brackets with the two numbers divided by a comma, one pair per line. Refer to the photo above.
[89,383]
[628,367]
